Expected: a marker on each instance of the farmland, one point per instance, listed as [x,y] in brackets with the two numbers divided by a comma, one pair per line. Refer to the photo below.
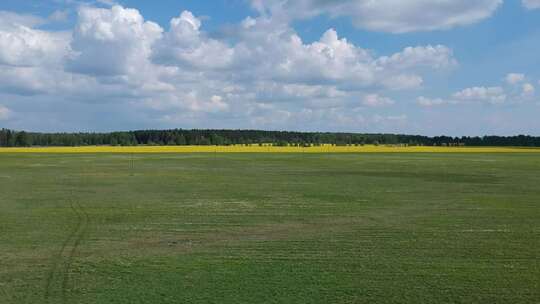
[133,225]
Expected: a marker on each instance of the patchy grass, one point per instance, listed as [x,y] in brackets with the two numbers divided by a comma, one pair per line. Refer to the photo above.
[270,228]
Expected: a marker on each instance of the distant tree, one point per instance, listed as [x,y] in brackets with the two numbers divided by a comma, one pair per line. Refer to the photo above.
[180,140]
[10,138]
[22,139]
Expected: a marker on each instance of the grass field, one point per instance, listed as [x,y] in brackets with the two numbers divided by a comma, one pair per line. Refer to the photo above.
[269,228]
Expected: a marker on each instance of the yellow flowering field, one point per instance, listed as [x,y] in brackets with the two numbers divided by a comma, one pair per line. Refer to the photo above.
[268,149]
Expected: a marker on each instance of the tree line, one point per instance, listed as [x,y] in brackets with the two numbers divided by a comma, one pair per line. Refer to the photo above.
[11,138]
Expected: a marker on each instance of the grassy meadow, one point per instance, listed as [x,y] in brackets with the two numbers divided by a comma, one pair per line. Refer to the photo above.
[133,227]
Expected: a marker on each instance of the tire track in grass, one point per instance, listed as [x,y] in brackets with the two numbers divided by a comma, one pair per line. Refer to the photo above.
[5,292]
[84,220]
[80,233]
[59,257]
[67,252]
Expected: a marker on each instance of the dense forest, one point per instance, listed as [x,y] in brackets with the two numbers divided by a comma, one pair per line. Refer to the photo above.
[10,138]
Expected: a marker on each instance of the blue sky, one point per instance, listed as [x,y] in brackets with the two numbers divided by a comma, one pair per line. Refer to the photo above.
[451,67]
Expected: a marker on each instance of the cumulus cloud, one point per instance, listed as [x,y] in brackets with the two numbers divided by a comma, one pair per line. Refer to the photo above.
[329,59]
[107,2]
[528,90]
[25,80]
[333,59]
[291,92]
[431,102]
[185,44]
[515,78]
[517,90]
[191,101]
[519,85]
[59,16]
[390,118]
[375,100]
[394,16]
[436,57]
[271,117]
[492,95]
[24,46]
[531,4]
[262,73]
[5,113]
[111,41]
[30,59]
[10,20]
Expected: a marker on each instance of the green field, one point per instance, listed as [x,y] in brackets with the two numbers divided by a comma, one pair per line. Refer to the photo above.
[270,228]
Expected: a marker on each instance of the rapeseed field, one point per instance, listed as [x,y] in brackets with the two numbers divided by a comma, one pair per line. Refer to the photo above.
[269,149]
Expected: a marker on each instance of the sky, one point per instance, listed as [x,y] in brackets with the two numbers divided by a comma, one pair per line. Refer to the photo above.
[429,67]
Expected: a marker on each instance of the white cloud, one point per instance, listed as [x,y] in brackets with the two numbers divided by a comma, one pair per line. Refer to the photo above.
[195,101]
[397,118]
[283,92]
[25,80]
[375,100]
[402,82]
[515,78]
[10,20]
[108,2]
[431,102]
[531,4]
[435,57]
[382,120]
[218,104]
[420,15]
[271,117]
[59,16]
[331,60]
[489,95]
[185,44]
[268,116]
[23,46]
[263,72]
[30,59]
[5,113]
[528,90]
[288,60]
[517,92]
[394,16]
[492,95]
[112,41]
